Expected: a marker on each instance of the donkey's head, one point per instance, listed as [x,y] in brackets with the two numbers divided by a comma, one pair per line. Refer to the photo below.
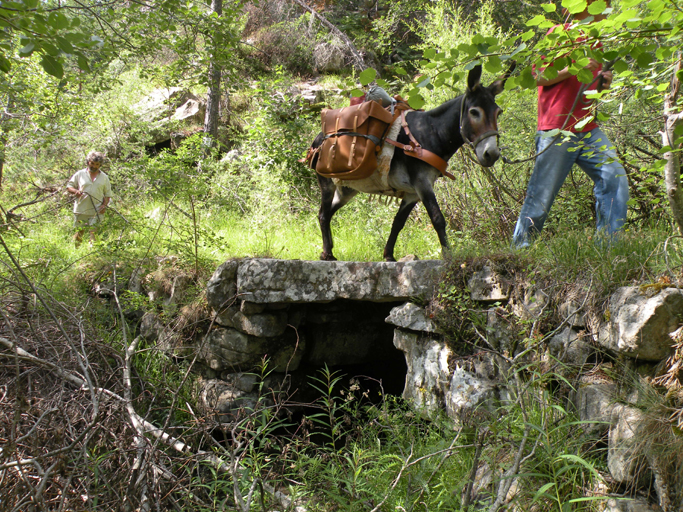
[479,116]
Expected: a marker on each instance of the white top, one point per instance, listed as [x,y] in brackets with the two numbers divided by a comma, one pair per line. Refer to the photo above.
[94,191]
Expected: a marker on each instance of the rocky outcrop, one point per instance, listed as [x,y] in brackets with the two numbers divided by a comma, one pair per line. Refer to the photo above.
[302,315]
[164,109]
[641,323]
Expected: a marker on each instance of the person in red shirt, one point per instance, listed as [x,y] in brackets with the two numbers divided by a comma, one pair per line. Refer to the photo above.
[588,147]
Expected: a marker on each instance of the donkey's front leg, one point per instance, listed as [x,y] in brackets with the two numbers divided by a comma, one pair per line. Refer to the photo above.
[407,205]
[428,198]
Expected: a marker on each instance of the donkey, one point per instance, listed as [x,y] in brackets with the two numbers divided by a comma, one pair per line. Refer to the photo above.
[471,118]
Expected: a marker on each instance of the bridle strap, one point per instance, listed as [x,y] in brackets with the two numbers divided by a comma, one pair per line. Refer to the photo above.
[485,135]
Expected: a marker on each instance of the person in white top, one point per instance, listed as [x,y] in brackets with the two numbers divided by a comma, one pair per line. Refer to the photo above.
[93,192]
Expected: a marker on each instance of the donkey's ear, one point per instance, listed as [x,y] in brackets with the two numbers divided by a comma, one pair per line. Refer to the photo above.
[499,85]
[473,77]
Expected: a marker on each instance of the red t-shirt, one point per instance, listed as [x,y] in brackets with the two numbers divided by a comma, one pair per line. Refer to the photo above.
[555,102]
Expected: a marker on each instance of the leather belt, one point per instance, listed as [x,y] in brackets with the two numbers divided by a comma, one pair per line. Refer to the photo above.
[417,151]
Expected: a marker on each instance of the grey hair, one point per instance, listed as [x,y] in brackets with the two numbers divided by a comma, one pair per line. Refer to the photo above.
[95,156]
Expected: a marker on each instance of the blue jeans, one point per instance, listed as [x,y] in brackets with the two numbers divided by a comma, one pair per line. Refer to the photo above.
[595,154]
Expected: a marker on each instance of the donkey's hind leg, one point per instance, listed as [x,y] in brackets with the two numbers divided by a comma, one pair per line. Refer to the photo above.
[407,205]
[332,199]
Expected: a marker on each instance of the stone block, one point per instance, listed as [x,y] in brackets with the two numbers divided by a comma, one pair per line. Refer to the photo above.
[640,324]
[411,316]
[467,392]
[249,308]
[265,325]
[532,306]
[487,286]
[570,311]
[227,349]
[427,374]
[570,348]
[286,281]
[222,287]
[594,403]
[630,505]
[625,458]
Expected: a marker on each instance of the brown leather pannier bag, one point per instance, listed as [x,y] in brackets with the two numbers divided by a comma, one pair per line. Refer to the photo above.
[353,138]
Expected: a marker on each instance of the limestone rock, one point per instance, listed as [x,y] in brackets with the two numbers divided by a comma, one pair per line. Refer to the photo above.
[532,306]
[167,105]
[570,311]
[265,325]
[151,327]
[427,374]
[229,399]
[487,286]
[227,349]
[640,325]
[625,460]
[249,308]
[467,392]
[222,287]
[411,316]
[269,280]
[569,348]
[630,505]
[595,404]
[501,331]
[192,110]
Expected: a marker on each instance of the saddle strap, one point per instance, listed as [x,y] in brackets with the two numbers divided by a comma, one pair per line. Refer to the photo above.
[417,151]
[375,140]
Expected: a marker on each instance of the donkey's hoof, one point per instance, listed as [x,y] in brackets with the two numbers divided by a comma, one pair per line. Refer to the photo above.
[389,259]
[327,256]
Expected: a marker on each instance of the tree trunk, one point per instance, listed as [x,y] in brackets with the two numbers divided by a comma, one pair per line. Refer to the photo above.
[214,95]
[672,168]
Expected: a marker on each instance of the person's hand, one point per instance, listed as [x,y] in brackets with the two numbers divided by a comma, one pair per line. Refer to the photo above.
[78,193]
[102,208]
[606,79]
[592,65]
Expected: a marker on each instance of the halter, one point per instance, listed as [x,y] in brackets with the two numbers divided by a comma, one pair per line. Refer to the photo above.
[481,137]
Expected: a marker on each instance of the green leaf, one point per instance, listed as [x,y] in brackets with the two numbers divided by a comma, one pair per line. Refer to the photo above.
[50,49]
[64,45]
[542,490]
[597,7]
[83,64]
[644,60]
[400,71]
[620,66]
[27,50]
[367,76]
[584,76]
[5,65]
[528,35]
[526,78]
[416,102]
[536,20]
[52,66]
[549,7]
[429,53]
[58,21]
[493,64]
[425,82]
[574,6]
[356,93]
